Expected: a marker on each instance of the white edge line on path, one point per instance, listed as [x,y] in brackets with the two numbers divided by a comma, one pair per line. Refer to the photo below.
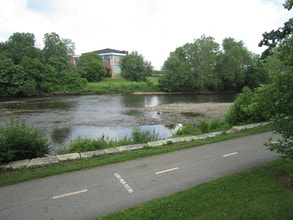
[166,171]
[69,194]
[230,154]
[123,182]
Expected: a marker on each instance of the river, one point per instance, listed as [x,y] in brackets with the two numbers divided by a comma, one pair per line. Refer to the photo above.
[63,118]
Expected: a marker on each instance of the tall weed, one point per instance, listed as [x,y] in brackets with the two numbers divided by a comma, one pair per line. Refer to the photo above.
[84,144]
[19,141]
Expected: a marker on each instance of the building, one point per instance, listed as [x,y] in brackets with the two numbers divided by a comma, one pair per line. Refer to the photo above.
[111,60]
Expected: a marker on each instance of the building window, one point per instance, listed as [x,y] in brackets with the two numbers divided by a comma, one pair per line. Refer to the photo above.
[117,68]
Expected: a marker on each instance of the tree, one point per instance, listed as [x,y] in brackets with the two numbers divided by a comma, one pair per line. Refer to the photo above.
[56,53]
[275,37]
[135,68]
[174,79]
[256,74]
[190,67]
[280,93]
[53,45]
[18,46]
[43,74]
[26,70]
[282,101]
[90,67]
[14,81]
[233,64]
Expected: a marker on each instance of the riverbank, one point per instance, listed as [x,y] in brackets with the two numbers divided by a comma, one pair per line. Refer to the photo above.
[15,171]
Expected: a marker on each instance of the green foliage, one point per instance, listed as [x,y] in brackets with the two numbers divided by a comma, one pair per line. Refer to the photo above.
[19,141]
[16,176]
[274,38]
[282,120]
[233,64]
[280,91]
[135,68]
[202,127]
[73,82]
[91,68]
[248,108]
[54,45]
[175,78]
[20,45]
[240,111]
[110,85]
[256,74]
[28,71]
[186,130]
[83,144]
[271,102]
[202,66]
[191,67]
[14,80]
[139,136]
[42,74]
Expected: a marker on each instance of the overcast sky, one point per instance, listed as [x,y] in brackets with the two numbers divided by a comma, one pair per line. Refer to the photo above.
[154,28]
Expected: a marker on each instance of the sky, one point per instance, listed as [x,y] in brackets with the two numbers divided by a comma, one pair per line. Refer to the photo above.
[153,28]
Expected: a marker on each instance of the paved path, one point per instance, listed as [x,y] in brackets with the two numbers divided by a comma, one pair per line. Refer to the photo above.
[98,191]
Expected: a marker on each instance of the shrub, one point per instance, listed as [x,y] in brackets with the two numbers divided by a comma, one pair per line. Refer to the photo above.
[84,144]
[186,129]
[253,106]
[218,125]
[19,141]
[203,125]
[143,136]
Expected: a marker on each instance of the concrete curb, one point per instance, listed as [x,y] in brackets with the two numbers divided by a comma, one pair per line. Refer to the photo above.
[21,164]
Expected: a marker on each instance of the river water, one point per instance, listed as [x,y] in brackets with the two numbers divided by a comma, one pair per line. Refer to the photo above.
[64,118]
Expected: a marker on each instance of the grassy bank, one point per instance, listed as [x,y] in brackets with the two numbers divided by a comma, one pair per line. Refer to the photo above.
[120,85]
[257,193]
[15,176]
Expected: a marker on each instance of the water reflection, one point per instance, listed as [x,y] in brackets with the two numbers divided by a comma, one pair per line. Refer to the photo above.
[60,135]
[64,118]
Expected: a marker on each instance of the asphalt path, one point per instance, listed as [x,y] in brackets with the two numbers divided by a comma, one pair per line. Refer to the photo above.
[91,193]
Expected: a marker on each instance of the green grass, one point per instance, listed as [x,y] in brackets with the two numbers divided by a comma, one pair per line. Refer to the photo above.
[15,176]
[253,194]
[115,85]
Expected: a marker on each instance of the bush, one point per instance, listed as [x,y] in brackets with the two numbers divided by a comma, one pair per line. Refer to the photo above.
[218,125]
[79,145]
[143,136]
[202,127]
[19,141]
[248,108]
[186,129]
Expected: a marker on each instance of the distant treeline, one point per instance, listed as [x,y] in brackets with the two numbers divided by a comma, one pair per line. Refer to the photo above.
[26,70]
[204,65]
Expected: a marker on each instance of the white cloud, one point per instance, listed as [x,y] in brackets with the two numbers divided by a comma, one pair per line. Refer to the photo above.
[154,28]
